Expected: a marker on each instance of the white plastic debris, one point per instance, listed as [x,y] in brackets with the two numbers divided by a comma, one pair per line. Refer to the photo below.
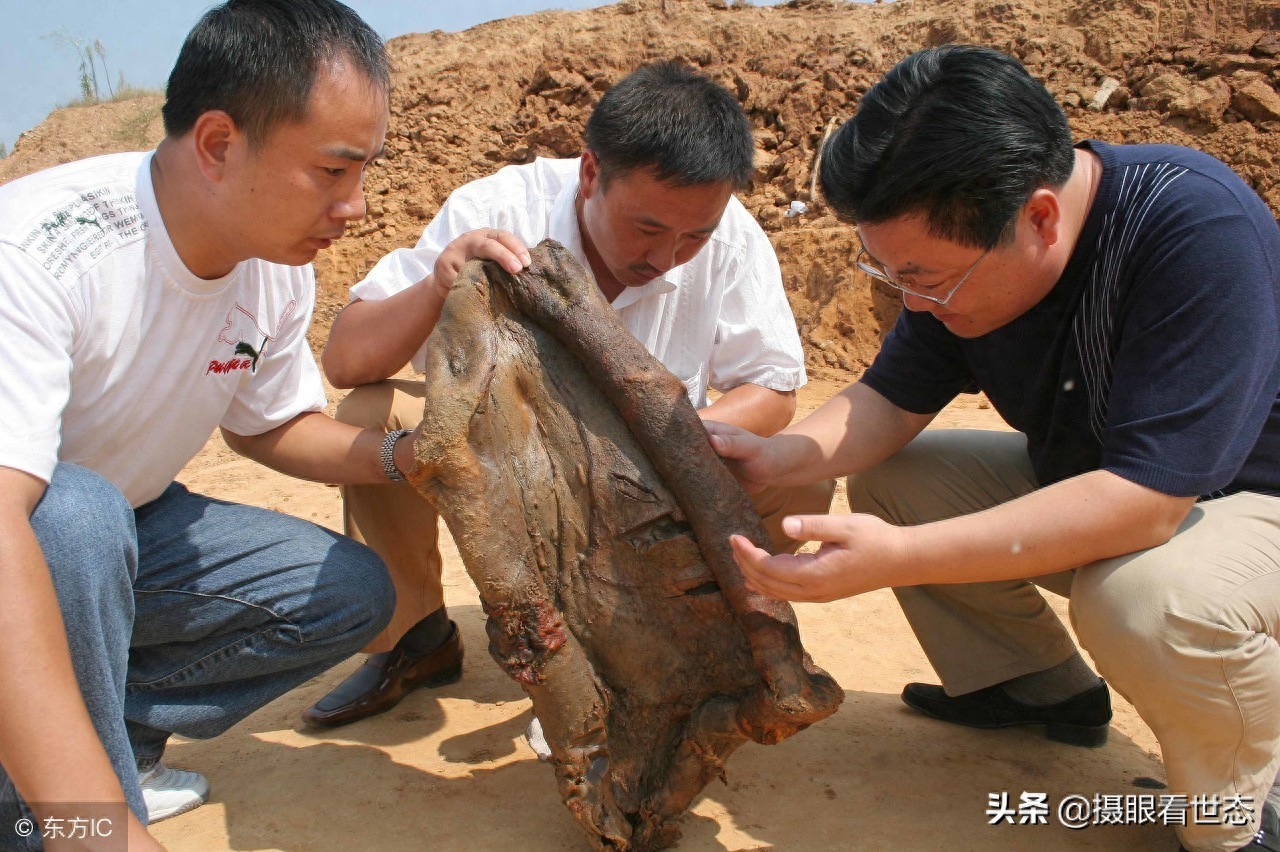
[797,208]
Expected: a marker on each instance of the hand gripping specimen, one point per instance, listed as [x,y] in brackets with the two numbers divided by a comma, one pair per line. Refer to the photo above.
[594,518]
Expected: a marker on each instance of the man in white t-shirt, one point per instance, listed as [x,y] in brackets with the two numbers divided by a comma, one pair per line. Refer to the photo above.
[149,299]
[649,209]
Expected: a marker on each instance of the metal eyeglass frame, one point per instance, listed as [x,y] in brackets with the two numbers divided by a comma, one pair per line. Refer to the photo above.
[881,275]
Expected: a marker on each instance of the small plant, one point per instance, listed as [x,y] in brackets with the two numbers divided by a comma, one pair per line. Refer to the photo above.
[4,151]
[89,54]
[102,57]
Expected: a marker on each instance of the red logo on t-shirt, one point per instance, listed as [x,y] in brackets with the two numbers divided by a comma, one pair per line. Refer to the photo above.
[248,339]
[235,365]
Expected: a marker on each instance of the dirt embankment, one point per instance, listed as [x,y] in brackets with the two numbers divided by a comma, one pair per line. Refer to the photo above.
[1202,73]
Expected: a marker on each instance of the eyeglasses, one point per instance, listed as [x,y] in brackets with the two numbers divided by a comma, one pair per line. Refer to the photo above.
[881,274]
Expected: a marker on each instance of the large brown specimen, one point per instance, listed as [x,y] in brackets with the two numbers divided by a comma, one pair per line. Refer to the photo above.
[594,518]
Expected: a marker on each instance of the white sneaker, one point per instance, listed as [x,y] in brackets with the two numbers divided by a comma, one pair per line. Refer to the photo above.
[169,792]
[537,740]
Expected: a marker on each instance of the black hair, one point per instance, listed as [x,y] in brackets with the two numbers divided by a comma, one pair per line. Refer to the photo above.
[257,60]
[959,134]
[670,119]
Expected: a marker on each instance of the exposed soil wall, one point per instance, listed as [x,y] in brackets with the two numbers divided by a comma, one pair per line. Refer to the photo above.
[1202,73]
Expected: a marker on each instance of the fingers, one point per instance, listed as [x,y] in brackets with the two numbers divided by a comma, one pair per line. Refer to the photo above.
[740,451]
[493,244]
[824,528]
[503,247]
[506,248]
[727,440]
[766,574]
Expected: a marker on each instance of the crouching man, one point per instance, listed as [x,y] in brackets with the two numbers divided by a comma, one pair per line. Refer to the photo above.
[1119,305]
[149,299]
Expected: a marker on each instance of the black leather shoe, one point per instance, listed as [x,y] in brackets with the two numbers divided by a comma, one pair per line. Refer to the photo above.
[1081,720]
[384,679]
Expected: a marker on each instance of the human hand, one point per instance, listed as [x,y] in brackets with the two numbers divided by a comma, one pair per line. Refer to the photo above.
[859,553]
[745,454]
[485,244]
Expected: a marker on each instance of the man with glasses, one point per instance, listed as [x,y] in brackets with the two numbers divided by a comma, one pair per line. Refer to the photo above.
[1119,306]
[937,293]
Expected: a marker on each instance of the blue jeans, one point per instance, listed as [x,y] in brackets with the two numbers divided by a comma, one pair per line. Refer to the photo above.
[189,613]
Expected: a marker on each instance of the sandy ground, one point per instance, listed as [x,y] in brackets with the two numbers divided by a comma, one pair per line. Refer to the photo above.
[448,769]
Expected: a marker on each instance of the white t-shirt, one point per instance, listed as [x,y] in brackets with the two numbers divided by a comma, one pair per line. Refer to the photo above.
[720,320]
[113,355]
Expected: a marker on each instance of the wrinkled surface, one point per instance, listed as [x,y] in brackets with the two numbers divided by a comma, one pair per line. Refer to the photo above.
[594,519]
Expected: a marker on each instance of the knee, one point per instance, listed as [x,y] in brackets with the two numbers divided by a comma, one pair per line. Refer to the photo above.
[901,488]
[885,489]
[868,495]
[370,596]
[815,498]
[86,531]
[1120,616]
[367,406]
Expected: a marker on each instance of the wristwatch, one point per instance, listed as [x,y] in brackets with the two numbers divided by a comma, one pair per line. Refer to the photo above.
[387,455]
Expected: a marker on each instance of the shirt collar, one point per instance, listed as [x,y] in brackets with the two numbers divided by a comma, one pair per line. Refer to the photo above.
[563,228]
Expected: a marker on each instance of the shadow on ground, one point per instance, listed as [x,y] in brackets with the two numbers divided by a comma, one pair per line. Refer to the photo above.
[448,769]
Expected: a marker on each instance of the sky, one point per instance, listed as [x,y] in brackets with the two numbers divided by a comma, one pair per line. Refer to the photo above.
[142,39]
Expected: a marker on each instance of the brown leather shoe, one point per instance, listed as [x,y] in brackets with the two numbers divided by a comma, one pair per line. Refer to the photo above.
[384,679]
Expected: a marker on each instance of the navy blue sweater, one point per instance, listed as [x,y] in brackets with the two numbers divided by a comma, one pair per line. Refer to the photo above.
[1156,356]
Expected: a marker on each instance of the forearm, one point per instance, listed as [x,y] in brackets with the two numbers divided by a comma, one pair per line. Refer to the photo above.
[314,446]
[851,432]
[1089,517]
[1081,520]
[48,744]
[371,340]
[757,409]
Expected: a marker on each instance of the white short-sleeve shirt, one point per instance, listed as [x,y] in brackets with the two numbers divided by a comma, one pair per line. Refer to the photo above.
[720,321]
[113,355]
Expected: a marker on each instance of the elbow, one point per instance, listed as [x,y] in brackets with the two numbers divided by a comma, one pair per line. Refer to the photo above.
[239,444]
[342,357]
[342,360]
[788,410]
[1159,520]
[782,412]
[1169,518]
[337,369]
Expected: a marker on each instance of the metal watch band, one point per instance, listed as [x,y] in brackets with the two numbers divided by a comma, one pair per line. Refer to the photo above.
[387,455]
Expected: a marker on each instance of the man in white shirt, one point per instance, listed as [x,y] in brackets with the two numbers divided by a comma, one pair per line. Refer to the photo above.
[649,209]
[148,299]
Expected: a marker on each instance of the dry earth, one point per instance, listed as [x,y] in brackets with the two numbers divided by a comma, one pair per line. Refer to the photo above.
[1195,72]
[448,769]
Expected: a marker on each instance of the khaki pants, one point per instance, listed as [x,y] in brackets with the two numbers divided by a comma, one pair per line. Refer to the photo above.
[400,525]
[1186,631]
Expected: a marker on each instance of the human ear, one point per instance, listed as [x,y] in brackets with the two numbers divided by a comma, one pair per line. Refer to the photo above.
[588,174]
[1044,213]
[214,138]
